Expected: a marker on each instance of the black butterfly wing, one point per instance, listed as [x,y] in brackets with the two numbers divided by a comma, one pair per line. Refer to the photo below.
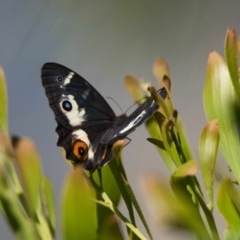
[74,101]
[124,125]
[141,114]
[72,141]
[82,114]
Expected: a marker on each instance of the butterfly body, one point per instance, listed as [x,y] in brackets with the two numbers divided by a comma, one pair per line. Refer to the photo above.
[86,125]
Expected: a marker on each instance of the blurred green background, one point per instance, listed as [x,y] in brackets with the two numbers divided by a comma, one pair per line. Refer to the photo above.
[103,41]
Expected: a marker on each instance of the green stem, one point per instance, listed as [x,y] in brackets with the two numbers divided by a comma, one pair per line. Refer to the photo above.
[208,215]
[109,204]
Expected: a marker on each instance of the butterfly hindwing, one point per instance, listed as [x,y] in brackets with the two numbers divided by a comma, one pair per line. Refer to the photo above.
[82,147]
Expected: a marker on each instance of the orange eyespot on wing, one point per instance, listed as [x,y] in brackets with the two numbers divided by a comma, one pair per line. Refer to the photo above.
[80,150]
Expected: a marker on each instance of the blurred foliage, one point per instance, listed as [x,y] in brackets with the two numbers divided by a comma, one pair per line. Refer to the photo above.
[89,201]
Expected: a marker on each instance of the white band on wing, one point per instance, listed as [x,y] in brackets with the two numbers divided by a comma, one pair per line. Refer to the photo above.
[134,122]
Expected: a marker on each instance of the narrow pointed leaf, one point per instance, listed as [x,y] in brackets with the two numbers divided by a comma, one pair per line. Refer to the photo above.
[208,147]
[3,104]
[134,233]
[187,169]
[160,101]
[157,143]
[118,171]
[79,220]
[109,184]
[238,44]
[220,103]
[162,74]
[153,130]
[169,144]
[230,235]
[160,70]
[231,53]
[49,203]
[20,225]
[110,229]
[183,141]
[186,198]
[171,210]
[30,170]
[137,207]
[133,87]
[227,207]
[111,188]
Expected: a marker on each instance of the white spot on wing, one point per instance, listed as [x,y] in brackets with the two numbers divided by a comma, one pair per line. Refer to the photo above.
[68,78]
[133,122]
[82,135]
[81,112]
[76,115]
[85,94]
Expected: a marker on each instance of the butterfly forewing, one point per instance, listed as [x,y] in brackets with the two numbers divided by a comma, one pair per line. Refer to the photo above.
[74,101]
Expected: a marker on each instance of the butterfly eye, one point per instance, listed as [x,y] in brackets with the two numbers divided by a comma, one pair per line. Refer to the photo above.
[60,80]
[80,150]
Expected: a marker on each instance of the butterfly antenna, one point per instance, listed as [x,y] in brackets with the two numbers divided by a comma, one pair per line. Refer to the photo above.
[115,103]
[137,102]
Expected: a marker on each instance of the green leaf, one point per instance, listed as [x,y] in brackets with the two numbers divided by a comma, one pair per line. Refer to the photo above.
[220,103]
[231,53]
[20,225]
[79,220]
[110,229]
[231,235]
[152,127]
[190,215]
[108,203]
[137,207]
[169,143]
[208,147]
[160,70]
[161,201]
[118,171]
[162,74]
[177,211]
[183,141]
[187,169]
[110,186]
[157,143]
[3,104]
[227,205]
[164,108]
[9,202]
[126,191]
[108,183]
[30,170]
[49,203]
[133,87]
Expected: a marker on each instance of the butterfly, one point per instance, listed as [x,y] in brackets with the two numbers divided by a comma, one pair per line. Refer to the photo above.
[87,127]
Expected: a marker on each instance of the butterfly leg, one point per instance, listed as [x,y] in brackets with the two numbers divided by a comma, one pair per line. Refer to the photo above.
[129,140]
[99,170]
